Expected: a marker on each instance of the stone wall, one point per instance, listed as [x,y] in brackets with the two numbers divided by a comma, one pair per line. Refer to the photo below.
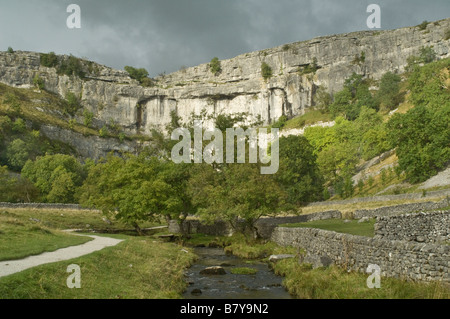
[264,226]
[399,259]
[400,209]
[383,198]
[431,227]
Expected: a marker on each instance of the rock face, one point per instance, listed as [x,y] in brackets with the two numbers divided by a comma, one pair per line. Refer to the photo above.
[113,96]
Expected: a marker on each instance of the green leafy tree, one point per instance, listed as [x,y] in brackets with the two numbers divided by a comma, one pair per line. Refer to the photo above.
[71,66]
[238,194]
[49,60]
[389,93]
[215,66]
[56,176]
[422,139]
[16,189]
[299,174]
[18,153]
[138,74]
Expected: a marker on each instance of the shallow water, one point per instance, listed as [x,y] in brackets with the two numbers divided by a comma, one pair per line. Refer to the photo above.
[262,285]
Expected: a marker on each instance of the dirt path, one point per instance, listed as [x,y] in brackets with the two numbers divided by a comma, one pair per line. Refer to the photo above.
[14,266]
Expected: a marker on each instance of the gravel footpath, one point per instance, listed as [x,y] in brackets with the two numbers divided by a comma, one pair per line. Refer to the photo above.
[11,267]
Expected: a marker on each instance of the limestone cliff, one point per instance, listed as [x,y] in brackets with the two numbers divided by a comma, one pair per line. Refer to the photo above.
[113,96]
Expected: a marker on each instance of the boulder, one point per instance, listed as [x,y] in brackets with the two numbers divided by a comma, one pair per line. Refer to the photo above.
[216,270]
[277,258]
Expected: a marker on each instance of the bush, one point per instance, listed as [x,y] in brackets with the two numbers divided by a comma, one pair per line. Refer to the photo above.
[266,71]
[423,25]
[215,66]
[88,116]
[389,92]
[71,66]
[38,82]
[447,35]
[10,50]
[49,60]
[103,132]
[73,103]
[280,123]
[137,74]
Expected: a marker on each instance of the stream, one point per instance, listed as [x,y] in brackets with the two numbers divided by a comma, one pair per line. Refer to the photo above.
[262,285]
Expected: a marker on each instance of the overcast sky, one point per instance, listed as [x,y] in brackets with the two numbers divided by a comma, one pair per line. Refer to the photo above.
[163,35]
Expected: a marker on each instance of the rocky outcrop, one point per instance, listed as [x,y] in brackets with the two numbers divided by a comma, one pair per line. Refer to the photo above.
[94,147]
[112,96]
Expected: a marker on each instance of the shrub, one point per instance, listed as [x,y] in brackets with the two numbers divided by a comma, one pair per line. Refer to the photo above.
[49,60]
[447,35]
[137,74]
[88,116]
[215,66]
[427,55]
[389,93]
[38,82]
[286,47]
[10,50]
[103,131]
[266,71]
[423,25]
[280,123]
[19,126]
[73,103]
[71,66]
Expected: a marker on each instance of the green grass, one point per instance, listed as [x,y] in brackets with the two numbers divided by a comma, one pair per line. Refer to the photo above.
[338,225]
[74,219]
[138,268]
[20,237]
[303,282]
[27,232]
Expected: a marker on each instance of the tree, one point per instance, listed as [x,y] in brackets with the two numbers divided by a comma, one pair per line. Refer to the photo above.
[138,74]
[389,93]
[422,139]
[237,194]
[14,188]
[49,60]
[215,66]
[137,189]
[299,174]
[56,176]
[17,154]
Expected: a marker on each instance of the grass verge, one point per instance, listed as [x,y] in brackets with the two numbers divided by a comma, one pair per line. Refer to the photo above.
[20,238]
[303,282]
[138,268]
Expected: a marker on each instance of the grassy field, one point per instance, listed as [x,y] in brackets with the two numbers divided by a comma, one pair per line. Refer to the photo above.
[21,237]
[339,225]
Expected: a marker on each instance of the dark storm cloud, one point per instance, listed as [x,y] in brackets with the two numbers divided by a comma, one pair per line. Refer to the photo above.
[165,35]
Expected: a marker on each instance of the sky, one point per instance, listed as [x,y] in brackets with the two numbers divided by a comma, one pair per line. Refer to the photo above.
[165,35]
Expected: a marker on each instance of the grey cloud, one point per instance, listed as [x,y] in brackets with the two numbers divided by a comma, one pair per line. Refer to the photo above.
[163,35]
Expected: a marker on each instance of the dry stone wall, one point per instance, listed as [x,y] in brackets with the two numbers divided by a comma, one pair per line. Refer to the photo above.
[399,259]
[433,227]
